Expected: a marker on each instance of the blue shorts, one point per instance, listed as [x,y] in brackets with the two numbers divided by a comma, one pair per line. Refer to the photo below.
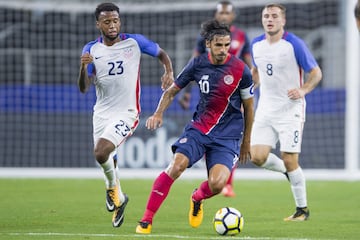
[194,144]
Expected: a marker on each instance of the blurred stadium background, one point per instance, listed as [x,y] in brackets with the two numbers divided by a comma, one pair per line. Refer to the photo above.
[45,122]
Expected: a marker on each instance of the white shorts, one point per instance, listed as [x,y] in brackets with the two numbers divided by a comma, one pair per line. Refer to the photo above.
[115,129]
[270,132]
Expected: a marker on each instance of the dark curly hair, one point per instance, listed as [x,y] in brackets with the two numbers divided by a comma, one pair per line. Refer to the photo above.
[105,7]
[212,27]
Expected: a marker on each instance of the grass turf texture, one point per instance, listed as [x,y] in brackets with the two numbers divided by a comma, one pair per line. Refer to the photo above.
[75,209]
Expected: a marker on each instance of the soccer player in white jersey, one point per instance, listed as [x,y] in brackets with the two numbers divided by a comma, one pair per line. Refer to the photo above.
[279,60]
[112,64]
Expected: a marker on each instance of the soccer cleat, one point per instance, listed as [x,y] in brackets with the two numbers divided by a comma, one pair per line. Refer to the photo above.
[111,193]
[301,214]
[143,228]
[112,198]
[228,191]
[110,206]
[118,215]
[196,213]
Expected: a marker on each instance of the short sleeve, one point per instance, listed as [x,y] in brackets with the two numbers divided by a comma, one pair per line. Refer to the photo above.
[146,46]
[90,67]
[186,75]
[302,53]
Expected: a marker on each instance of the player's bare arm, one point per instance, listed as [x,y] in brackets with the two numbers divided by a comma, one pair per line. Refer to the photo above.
[313,80]
[255,77]
[247,60]
[155,121]
[248,105]
[168,78]
[84,80]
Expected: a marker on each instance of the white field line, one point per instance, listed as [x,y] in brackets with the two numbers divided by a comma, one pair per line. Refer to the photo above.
[142,236]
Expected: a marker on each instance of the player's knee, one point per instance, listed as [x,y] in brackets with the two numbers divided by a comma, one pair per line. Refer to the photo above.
[257,157]
[100,155]
[175,171]
[257,161]
[216,187]
[176,168]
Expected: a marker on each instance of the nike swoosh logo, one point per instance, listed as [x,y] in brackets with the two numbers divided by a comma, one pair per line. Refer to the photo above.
[158,192]
[110,207]
[98,57]
[118,221]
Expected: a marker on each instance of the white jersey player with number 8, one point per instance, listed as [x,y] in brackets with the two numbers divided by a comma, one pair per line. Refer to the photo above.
[112,63]
[279,60]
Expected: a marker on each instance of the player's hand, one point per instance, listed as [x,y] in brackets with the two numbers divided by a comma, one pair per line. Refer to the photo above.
[296,93]
[86,58]
[245,154]
[166,80]
[154,122]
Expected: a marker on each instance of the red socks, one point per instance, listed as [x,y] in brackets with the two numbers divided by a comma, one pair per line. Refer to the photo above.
[231,177]
[160,190]
[158,194]
[203,192]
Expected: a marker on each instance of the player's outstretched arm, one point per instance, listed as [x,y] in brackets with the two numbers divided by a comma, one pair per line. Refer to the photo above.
[155,121]
[248,105]
[168,78]
[84,80]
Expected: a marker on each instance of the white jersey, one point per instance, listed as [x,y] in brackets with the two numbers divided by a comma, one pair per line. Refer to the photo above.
[116,70]
[280,66]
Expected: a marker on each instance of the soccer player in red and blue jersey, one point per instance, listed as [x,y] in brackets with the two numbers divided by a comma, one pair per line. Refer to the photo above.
[240,47]
[219,129]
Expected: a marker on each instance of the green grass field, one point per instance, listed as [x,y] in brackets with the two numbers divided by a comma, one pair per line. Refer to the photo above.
[75,209]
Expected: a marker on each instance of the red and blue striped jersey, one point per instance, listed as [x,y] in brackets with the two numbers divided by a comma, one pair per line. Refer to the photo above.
[222,88]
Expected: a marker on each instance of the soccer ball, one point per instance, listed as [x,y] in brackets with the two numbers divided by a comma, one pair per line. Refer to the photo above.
[228,221]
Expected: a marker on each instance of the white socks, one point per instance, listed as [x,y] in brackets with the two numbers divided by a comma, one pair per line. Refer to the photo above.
[112,176]
[298,187]
[274,163]
[117,174]
[296,178]
[109,171]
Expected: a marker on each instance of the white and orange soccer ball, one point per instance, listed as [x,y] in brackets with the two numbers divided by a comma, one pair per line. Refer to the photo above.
[228,221]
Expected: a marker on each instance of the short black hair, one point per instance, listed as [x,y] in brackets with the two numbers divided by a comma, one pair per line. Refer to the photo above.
[105,7]
[225,3]
[212,27]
